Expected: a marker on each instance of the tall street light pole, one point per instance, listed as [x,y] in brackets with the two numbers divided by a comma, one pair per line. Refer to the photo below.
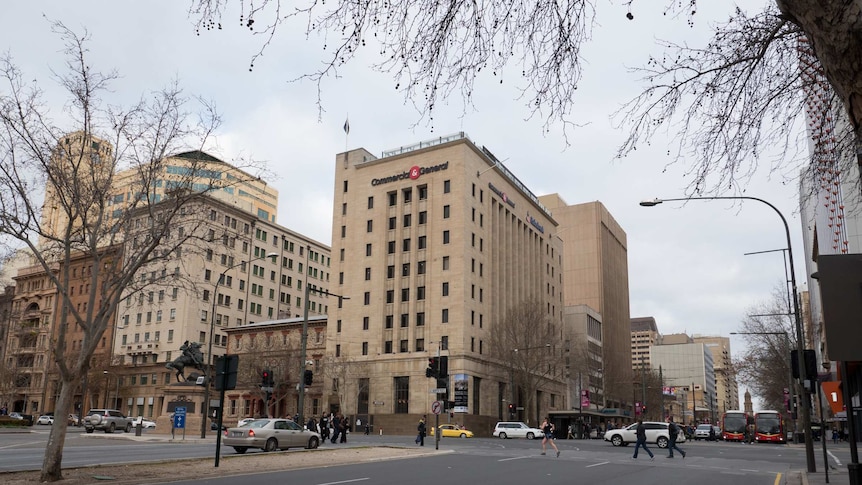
[218,282]
[800,342]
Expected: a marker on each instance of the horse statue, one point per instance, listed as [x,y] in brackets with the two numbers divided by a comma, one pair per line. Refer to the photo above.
[191,356]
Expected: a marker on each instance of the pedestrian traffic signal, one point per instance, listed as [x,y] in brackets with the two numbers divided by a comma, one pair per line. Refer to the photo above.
[308,377]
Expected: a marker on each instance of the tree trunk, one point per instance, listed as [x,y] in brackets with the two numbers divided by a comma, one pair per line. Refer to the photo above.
[52,466]
[834,29]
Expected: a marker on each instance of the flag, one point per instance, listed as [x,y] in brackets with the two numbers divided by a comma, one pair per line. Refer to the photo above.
[347,126]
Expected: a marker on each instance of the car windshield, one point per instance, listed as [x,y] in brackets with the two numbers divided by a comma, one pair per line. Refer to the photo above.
[704,427]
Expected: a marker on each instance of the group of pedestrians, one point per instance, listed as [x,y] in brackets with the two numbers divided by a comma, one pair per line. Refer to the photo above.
[673,432]
[336,424]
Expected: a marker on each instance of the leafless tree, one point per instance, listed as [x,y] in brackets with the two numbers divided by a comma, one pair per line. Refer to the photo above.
[726,102]
[769,334]
[526,343]
[348,373]
[275,355]
[70,161]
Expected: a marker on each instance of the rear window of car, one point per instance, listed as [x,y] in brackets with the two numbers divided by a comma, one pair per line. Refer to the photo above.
[258,423]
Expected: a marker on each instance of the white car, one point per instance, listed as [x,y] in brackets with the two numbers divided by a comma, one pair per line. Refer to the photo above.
[656,432]
[144,422]
[45,419]
[516,429]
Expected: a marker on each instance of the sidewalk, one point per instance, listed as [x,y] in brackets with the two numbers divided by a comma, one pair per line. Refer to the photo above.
[839,476]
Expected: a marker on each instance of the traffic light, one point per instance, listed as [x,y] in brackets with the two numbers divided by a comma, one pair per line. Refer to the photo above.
[511,409]
[266,378]
[433,367]
[308,377]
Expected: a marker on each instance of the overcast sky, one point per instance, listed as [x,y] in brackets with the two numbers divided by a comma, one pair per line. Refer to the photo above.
[687,266]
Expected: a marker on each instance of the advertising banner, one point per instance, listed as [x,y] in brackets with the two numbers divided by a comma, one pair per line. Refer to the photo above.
[462,392]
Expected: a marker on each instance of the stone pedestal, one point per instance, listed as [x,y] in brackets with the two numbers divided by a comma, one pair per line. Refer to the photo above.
[187,395]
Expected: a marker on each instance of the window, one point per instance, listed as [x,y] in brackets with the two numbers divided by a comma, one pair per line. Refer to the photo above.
[405,245]
[365,321]
[420,345]
[364,348]
[420,319]
[402,395]
[445,237]
[407,219]
[445,288]
[370,202]
[445,263]
[343,231]
[387,347]
[405,294]
[402,346]
[390,247]
[405,320]
[444,318]
[407,194]
[392,223]
[444,342]
[369,226]
[423,217]
[367,274]
[423,192]
[447,186]
[393,198]
[420,293]
[405,269]
[420,267]
[388,323]
[367,298]
[367,251]
[446,211]
[390,271]
[422,242]
[390,296]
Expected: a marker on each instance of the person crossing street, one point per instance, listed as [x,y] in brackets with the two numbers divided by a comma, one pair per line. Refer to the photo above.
[641,441]
[673,433]
[548,432]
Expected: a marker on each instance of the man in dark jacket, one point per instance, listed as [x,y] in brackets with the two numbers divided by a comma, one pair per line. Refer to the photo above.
[641,441]
[673,433]
[420,430]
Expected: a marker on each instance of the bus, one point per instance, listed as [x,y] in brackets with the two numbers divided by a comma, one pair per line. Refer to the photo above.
[769,427]
[733,425]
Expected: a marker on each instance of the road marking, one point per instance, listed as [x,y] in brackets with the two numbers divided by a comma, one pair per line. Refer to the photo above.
[24,444]
[748,470]
[837,461]
[778,479]
[514,458]
[597,464]
[345,481]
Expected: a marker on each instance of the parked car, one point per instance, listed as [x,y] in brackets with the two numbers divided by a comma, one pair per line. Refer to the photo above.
[270,435]
[656,432]
[15,415]
[73,420]
[107,420]
[145,423]
[45,419]
[516,429]
[452,431]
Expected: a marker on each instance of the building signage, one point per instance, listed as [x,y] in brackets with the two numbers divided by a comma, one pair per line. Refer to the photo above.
[414,173]
[500,194]
[535,223]
[462,389]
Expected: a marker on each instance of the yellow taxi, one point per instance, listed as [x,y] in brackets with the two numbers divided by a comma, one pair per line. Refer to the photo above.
[453,431]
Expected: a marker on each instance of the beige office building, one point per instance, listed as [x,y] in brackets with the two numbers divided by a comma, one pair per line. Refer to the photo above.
[644,335]
[595,273]
[433,243]
[726,388]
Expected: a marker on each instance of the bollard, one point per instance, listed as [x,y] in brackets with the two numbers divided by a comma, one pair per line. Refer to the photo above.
[138,429]
[381,431]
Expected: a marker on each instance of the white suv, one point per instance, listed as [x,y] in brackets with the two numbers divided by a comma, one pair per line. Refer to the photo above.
[516,429]
[656,432]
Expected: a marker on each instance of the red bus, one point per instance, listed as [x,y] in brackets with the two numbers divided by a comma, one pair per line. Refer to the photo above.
[769,427]
[733,425]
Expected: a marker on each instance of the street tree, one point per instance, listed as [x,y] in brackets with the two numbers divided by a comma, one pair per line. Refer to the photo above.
[58,173]
[769,336]
[526,345]
[726,103]
[348,377]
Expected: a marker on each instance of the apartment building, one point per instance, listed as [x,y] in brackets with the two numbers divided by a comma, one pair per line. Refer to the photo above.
[434,243]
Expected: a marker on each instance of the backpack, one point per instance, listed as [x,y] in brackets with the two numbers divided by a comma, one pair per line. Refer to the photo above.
[673,429]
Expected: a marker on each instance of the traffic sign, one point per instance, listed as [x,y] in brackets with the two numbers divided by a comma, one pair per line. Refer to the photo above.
[180,410]
[437,407]
[179,420]
[438,390]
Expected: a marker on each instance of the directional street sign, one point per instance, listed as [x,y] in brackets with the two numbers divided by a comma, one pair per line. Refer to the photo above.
[438,390]
[180,417]
[437,407]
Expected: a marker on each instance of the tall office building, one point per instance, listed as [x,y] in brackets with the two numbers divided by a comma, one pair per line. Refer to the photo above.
[595,273]
[434,243]
[726,388]
[644,335]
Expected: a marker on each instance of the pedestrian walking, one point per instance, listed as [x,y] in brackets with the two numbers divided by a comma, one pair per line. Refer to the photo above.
[336,428]
[420,432]
[324,427]
[345,428]
[548,431]
[569,434]
[311,425]
[641,441]
[673,434]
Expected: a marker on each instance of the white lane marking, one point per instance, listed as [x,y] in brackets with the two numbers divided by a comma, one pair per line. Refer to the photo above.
[513,458]
[345,481]
[837,461]
[597,464]
[748,470]
[21,444]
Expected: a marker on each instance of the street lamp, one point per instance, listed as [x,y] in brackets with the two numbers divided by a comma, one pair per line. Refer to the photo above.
[105,398]
[206,370]
[800,344]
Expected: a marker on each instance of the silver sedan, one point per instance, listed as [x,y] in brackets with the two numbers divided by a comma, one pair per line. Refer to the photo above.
[270,435]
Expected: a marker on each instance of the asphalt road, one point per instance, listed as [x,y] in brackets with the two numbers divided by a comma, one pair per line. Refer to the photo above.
[476,460]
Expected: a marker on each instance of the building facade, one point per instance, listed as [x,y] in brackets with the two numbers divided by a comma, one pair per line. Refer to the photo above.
[726,388]
[434,243]
[689,366]
[644,335]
